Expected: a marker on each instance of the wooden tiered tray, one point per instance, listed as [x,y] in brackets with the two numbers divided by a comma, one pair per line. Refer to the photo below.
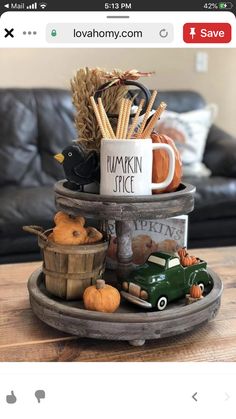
[129,323]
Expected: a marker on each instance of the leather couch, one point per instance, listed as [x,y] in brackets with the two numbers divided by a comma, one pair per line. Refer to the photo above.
[35,124]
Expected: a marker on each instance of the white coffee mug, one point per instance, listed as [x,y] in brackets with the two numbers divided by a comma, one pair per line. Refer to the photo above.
[126,166]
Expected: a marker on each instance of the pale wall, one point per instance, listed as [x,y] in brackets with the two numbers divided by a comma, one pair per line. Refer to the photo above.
[175,69]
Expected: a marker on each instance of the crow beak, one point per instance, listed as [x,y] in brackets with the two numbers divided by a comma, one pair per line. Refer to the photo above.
[59,157]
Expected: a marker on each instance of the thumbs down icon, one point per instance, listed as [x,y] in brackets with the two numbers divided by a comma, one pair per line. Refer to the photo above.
[39,394]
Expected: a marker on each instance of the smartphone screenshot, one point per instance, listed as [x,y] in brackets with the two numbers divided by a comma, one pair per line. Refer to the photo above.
[117,209]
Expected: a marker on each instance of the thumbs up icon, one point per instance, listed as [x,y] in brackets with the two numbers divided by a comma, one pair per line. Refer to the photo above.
[11,398]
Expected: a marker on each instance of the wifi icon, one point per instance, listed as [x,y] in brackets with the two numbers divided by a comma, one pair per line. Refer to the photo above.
[43,5]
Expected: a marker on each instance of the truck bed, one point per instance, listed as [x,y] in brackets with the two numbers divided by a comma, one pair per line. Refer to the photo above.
[195,267]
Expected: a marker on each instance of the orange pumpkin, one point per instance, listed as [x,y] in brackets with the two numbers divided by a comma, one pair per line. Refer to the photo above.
[161,164]
[186,260]
[93,235]
[50,237]
[62,217]
[194,260]
[182,252]
[69,233]
[101,297]
[195,291]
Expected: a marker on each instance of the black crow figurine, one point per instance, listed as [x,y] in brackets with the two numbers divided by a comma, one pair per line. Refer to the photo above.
[81,166]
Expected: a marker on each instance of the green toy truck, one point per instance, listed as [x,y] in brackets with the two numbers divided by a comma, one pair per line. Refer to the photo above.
[163,279]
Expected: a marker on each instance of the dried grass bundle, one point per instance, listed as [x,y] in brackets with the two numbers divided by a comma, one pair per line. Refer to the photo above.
[84,84]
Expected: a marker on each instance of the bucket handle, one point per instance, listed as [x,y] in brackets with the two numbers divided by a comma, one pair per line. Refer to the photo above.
[143,88]
[37,230]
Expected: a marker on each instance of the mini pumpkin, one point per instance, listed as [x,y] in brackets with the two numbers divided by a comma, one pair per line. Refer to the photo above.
[182,252]
[69,233]
[195,291]
[194,260]
[101,297]
[186,260]
[161,164]
[93,235]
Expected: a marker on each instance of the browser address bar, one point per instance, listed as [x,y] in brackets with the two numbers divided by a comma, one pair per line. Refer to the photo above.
[109,33]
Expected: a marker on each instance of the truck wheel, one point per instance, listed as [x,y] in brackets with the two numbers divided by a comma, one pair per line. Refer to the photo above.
[162,303]
[201,285]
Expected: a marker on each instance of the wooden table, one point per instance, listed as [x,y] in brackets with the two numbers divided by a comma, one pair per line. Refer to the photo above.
[25,338]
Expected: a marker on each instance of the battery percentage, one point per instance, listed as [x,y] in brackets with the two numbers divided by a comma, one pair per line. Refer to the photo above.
[225,6]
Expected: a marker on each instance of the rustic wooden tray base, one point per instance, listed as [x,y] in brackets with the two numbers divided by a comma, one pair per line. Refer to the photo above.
[129,323]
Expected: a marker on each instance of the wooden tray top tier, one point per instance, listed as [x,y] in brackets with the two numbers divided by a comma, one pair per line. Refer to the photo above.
[129,322]
[127,208]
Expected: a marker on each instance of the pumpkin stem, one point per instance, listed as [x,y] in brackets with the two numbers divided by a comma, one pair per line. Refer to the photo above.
[100,283]
[76,233]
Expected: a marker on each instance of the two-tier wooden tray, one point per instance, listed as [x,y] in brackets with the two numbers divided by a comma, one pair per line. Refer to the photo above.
[130,322]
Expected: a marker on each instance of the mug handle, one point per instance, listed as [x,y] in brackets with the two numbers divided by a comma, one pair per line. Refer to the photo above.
[171,172]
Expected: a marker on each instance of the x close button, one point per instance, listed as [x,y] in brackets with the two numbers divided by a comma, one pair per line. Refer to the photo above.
[209,33]
[9,32]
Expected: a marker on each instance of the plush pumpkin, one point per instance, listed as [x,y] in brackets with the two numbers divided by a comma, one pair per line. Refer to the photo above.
[93,235]
[195,291]
[62,217]
[69,233]
[101,297]
[71,230]
[50,237]
[160,165]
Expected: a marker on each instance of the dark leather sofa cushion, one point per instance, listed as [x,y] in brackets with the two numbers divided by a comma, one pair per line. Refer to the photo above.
[212,233]
[177,100]
[220,153]
[19,249]
[24,206]
[35,125]
[215,198]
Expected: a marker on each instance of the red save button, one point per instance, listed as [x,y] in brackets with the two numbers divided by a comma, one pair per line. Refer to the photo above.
[200,33]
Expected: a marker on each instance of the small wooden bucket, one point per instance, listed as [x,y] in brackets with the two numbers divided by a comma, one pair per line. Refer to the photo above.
[70,269]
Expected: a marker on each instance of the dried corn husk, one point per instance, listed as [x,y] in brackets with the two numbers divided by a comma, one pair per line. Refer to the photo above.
[84,84]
